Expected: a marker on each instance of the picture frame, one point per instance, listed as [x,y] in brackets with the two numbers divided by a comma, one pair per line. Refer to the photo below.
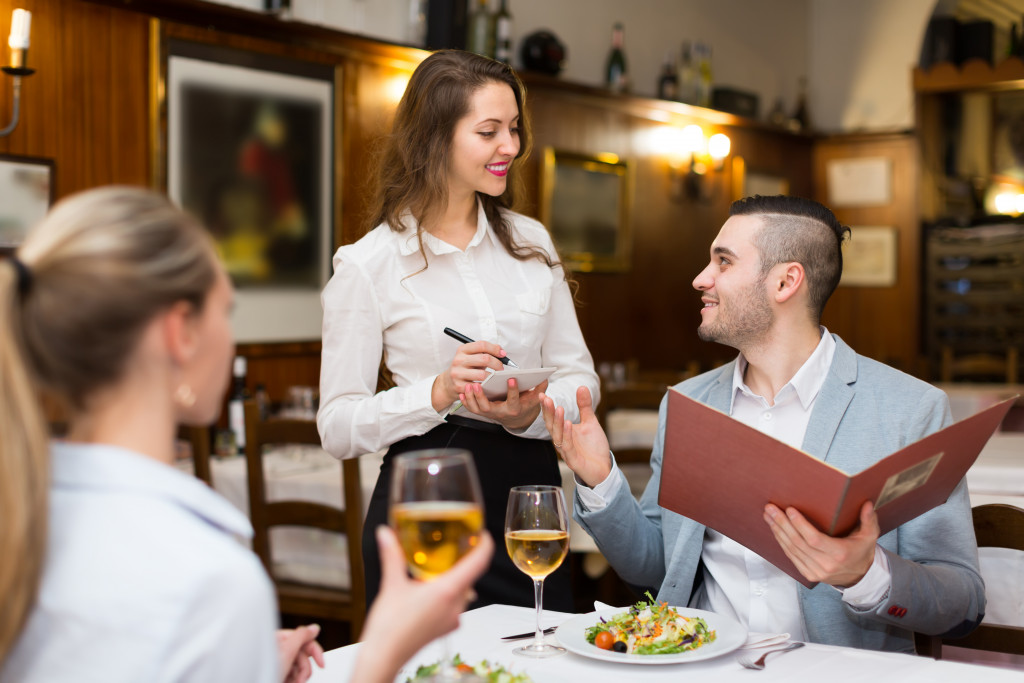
[248,144]
[869,257]
[26,194]
[749,182]
[585,203]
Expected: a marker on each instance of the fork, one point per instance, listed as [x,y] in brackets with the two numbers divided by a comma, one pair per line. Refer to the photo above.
[758,664]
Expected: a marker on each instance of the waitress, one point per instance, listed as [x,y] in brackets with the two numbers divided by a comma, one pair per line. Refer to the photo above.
[448,251]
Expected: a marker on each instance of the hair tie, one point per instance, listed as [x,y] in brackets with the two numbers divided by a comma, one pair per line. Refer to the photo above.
[24,275]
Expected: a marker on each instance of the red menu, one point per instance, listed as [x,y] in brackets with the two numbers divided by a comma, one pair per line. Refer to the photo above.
[721,473]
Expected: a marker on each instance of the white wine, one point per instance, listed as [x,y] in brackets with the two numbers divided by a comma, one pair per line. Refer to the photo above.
[435,534]
[537,552]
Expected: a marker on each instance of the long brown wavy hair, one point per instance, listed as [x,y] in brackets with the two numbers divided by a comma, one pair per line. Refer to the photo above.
[414,160]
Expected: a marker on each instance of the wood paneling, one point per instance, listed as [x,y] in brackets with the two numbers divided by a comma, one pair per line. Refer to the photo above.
[651,312]
[883,323]
[86,105]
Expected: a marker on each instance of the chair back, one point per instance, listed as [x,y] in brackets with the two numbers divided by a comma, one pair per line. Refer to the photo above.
[980,366]
[293,597]
[198,439]
[996,526]
[632,396]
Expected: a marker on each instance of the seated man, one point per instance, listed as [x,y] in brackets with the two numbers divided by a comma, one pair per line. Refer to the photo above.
[773,266]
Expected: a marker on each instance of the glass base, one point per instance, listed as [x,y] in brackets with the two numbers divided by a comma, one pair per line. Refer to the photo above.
[539,651]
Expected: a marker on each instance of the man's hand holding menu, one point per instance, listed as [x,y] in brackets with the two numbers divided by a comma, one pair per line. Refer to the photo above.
[723,474]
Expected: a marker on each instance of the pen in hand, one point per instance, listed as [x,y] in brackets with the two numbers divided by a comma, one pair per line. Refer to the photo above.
[458,336]
[466,340]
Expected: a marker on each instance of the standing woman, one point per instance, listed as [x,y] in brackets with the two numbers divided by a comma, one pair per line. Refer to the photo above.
[448,251]
[114,566]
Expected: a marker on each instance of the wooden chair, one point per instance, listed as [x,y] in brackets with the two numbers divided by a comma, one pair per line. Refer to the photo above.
[980,365]
[996,526]
[294,597]
[198,439]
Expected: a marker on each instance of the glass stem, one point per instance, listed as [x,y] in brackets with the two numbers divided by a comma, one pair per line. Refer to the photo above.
[446,672]
[538,598]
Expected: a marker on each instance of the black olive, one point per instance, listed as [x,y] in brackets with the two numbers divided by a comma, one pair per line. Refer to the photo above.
[619,646]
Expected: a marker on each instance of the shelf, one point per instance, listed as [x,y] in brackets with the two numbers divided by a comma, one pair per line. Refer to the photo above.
[974,74]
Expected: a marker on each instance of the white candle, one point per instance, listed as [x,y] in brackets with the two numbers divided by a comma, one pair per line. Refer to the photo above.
[21,21]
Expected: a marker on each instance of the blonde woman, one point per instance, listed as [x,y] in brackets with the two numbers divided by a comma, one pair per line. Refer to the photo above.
[115,566]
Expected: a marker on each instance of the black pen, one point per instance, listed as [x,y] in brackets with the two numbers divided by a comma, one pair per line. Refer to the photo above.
[466,340]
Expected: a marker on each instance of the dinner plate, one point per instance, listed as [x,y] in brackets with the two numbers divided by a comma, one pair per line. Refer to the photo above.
[729,635]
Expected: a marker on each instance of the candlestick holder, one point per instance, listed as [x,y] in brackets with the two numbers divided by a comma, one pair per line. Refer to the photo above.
[17,70]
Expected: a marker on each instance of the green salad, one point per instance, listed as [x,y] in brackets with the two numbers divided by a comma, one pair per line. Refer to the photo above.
[650,628]
[492,673]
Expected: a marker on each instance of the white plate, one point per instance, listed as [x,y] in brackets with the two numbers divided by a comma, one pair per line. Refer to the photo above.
[729,635]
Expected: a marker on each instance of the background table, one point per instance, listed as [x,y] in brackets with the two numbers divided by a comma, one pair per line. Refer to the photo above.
[478,637]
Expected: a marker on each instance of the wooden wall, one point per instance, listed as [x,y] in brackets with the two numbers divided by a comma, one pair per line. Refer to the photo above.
[883,323]
[88,108]
[651,313]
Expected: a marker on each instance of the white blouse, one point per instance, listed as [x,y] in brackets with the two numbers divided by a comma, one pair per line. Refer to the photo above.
[381,299]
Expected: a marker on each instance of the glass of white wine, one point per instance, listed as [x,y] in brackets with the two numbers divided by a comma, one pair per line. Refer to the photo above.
[537,540]
[437,510]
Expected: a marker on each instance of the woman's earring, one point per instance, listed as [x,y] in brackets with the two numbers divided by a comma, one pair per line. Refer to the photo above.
[184,396]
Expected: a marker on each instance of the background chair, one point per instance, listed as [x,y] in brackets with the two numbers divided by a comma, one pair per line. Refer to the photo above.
[980,366]
[296,598]
[198,439]
[996,526]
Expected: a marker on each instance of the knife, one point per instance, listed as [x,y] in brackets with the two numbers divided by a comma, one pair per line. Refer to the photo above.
[522,636]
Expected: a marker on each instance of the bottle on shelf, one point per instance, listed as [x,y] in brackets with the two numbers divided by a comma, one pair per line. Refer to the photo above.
[236,403]
[616,76]
[282,8]
[801,119]
[687,76]
[479,33]
[501,30]
[668,82]
[704,80]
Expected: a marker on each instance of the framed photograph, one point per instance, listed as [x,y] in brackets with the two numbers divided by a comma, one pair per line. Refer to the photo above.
[26,192]
[869,257]
[748,182]
[249,151]
[585,204]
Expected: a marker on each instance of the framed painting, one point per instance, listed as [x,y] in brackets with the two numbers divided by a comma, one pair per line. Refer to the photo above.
[585,204]
[869,257]
[249,150]
[26,192]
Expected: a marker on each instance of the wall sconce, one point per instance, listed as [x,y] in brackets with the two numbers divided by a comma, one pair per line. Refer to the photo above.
[696,156]
[21,22]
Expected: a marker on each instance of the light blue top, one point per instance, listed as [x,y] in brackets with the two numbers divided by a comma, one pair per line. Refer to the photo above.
[145,579]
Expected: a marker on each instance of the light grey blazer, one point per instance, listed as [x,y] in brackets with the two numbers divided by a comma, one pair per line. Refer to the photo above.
[865,411]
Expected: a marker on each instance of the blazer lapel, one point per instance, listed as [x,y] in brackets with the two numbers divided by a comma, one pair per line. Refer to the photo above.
[834,398]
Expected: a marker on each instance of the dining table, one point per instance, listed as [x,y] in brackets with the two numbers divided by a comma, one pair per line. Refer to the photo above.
[479,634]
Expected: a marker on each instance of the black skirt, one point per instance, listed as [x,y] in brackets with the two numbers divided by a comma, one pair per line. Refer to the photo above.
[502,461]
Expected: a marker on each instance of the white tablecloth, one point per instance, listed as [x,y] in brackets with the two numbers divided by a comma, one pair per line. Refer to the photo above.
[478,637]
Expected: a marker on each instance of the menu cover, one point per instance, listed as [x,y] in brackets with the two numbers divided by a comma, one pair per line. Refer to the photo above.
[721,473]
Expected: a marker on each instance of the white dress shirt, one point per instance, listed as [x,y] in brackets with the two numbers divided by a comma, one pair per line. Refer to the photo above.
[381,299]
[144,580]
[736,581]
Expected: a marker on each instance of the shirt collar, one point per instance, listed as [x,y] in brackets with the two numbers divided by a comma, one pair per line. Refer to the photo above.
[407,243]
[807,381]
[104,468]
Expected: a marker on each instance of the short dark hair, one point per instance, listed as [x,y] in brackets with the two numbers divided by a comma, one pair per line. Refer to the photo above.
[801,230]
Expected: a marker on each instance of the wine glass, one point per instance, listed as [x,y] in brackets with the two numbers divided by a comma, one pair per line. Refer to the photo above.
[537,539]
[437,511]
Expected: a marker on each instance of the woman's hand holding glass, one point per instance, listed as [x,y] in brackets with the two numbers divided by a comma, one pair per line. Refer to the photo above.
[537,540]
[436,509]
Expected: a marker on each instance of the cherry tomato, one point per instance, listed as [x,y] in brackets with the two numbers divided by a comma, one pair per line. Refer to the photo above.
[604,640]
[464,668]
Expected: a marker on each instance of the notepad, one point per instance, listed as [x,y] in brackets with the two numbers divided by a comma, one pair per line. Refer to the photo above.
[496,386]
